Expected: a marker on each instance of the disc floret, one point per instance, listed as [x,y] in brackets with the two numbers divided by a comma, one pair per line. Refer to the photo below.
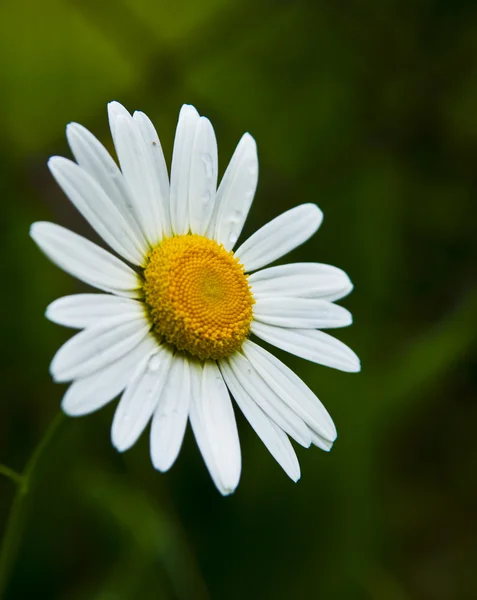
[198,296]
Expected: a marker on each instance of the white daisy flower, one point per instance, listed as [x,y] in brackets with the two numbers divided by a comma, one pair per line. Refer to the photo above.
[171,332]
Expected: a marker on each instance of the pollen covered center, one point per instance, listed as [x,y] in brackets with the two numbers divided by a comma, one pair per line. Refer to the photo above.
[198,296]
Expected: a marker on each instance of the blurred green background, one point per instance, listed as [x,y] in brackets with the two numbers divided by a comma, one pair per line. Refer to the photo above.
[369,109]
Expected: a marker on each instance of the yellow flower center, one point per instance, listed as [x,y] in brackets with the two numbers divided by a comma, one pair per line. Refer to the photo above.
[198,296]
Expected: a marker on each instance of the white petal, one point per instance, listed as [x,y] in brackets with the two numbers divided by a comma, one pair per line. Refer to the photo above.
[300,313]
[140,398]
[153,144]
[180,170]
[83,259]
[98,346]
[280,236]
[203,177]
[139,172]
[93,157]
[274,438]
[236,192]
[268,400]
[215,429]
[116,110]
[291,389]
[316,346]
[199,428]
[97,208]
[306,280]
[96,390]
[320,442]
[170,417]
[83,310]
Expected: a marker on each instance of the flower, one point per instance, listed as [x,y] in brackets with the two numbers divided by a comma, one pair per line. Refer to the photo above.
[171,333]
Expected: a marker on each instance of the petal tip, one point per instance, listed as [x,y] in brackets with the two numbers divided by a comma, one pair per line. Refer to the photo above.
[160,465]
[115,105]
[69,410]
[139,115]
[49,312]
[188,109]
[116,110]
[249,139]
[39,230]
[295,477]
[118,444]
[55,375]
[72,126]
[227,490]
[54,162]
[74,131]
[56,367]
[318,213]
[34,230]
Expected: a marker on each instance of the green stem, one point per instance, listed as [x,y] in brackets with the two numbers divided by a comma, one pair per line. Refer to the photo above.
[11,474]
[16,519]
